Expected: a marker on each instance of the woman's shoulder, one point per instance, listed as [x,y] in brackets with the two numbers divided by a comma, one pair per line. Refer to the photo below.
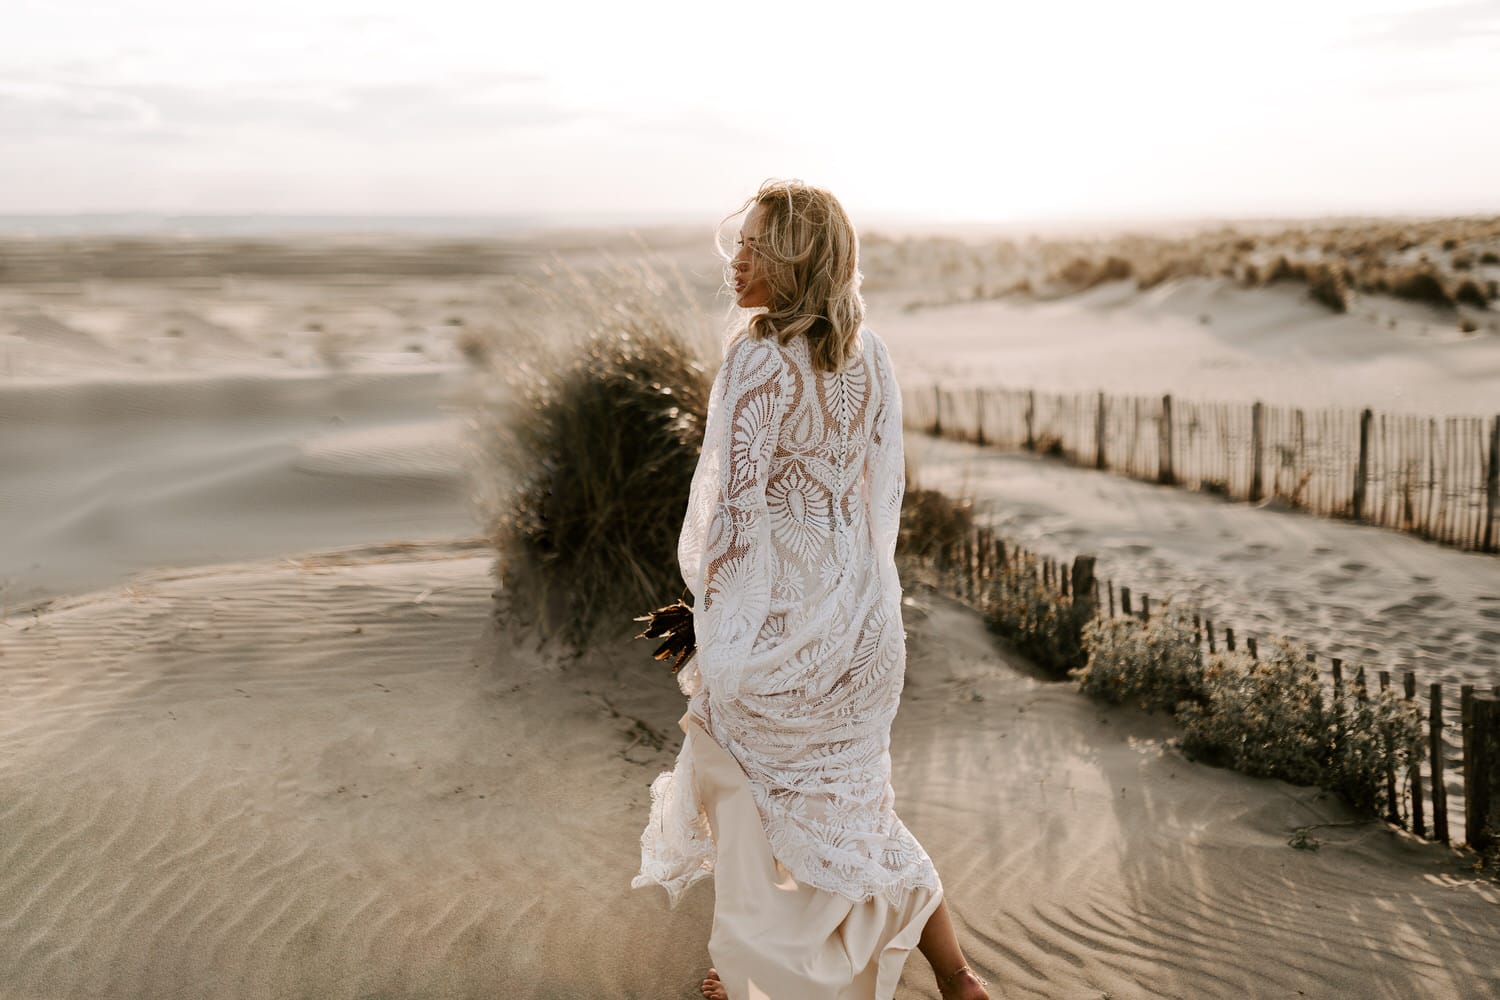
[874,346]
[747,353]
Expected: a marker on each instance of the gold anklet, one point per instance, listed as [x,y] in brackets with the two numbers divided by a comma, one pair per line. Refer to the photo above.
[959,971]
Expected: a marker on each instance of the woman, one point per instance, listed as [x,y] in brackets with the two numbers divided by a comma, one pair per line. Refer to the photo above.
[782,788]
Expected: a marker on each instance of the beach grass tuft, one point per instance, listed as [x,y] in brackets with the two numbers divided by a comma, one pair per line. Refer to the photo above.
[589,437]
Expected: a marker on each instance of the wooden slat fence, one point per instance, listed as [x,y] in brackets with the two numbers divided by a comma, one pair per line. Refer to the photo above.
[1435,477]
[1462,777]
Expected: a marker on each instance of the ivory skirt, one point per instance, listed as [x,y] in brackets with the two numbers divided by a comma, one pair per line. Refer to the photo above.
[775,939]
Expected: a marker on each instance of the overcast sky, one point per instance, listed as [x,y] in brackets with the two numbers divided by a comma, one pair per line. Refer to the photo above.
[981,111]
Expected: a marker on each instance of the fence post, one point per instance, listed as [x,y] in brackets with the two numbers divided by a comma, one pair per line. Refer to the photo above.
[1481,818]
[1085,589]
[1257,451]
[1492,490]
[1164,472]
[1338,705]
[1362,474]
[978,416]
[1414,769]
[1031,420]
[1099,425]
[1466,733]
[1392,812]
[1435,749]
[937,410]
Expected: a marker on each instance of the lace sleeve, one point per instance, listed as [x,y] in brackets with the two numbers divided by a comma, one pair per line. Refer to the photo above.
[885,471]
[725,549]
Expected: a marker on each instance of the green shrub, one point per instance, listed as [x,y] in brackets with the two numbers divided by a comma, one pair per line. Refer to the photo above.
[1041,623]
[589,436]
[1155,664]
[933,525]
[1262,717]
[1273,718]
[1379,731]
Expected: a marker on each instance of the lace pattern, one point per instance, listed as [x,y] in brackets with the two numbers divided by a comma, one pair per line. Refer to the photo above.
[789,542]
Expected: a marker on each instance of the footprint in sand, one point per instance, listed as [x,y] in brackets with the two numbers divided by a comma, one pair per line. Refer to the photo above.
[1353,567]
[1419,602]
[1493,614]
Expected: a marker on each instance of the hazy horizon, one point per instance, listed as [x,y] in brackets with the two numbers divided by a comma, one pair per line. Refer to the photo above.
[513,226]
[1163,110]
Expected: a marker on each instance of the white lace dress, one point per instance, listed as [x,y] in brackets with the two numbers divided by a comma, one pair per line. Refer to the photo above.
[789,548]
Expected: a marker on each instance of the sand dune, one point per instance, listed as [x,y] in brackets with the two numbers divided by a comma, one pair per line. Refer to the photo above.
[331,773]
[1203,339]
[334,777]
[107,476]
[1370,596]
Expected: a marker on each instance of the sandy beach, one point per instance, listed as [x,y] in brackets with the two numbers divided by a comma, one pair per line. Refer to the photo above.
[335,776]
[264,734]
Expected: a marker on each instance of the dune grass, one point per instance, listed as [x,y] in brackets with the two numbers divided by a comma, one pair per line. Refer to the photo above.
[1444,263]
[588,439]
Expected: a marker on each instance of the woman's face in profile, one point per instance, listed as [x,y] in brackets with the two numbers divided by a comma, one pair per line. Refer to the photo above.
[750,286]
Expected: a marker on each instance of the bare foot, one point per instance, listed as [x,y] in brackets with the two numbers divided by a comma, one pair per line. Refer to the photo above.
[963,985]
[713,989]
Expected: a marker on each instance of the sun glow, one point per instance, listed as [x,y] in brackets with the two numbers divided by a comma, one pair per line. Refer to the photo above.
[955,111]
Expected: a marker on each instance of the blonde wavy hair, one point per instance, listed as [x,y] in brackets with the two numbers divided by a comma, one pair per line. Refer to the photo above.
[808,257]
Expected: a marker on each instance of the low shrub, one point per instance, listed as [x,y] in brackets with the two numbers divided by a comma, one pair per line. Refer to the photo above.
[1269,718]
[1273,718]
[1042,624]
[1262,717]
[1372,733]
[933,525]
[1472,293]
[1155,664]
[1419,284]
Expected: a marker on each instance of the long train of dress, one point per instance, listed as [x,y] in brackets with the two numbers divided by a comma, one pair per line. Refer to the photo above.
[774,939]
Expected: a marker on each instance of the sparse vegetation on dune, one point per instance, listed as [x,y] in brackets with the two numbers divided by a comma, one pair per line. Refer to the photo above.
[1269,717]
[593,431]
[587,438]
[588,442]
[1443,262]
